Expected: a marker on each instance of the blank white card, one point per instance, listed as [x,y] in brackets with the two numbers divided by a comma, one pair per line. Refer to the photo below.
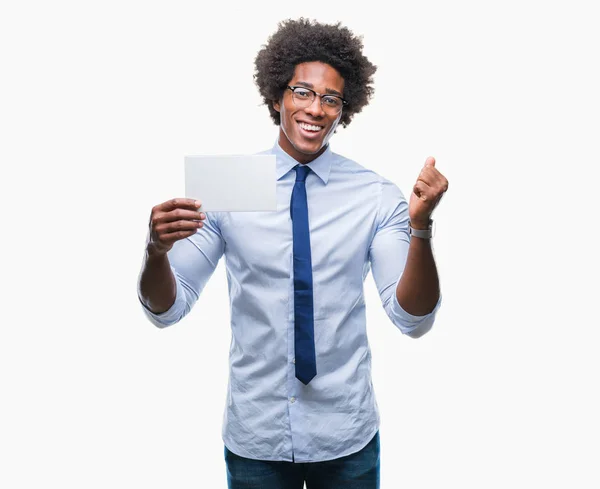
[232,183]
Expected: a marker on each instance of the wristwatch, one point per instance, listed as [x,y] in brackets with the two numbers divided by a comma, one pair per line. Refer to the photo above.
[421,233]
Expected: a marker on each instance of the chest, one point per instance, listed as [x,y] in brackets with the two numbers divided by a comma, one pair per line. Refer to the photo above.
[342,222]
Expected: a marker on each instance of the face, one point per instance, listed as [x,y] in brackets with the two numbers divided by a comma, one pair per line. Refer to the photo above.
[301,143]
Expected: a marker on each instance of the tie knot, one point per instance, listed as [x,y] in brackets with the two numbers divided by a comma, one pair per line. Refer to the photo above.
[301,172]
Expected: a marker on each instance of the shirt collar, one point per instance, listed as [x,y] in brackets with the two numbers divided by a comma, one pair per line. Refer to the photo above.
[321,165]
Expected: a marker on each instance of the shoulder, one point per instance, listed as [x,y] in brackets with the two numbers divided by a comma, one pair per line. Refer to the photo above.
[348,167]
[342,164]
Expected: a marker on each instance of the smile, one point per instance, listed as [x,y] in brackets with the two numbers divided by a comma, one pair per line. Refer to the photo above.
[310,127]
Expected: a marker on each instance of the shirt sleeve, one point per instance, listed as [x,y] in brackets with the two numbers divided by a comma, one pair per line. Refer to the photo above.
[387,255]
[193,261]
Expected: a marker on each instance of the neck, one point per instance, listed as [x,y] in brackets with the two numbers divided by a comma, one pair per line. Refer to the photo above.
[300,157]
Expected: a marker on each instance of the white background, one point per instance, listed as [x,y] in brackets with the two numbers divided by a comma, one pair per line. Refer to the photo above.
[99,103]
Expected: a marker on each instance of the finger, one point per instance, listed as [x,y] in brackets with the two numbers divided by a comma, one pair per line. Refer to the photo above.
[176,226]
[433,177]
[170,238]
[180,214]
[444,185]
[421,190]
[428,175]
[425,178]
[177,203]
[430,161]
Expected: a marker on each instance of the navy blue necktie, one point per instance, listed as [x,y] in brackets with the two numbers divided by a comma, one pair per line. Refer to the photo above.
[304,332]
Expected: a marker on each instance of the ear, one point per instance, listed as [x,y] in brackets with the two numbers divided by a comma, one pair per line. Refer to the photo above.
[277,105]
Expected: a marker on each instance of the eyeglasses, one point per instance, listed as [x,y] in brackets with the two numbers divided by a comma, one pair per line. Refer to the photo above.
[304,97]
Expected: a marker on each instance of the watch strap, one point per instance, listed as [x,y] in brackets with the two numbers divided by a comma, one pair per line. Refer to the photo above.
[421,233]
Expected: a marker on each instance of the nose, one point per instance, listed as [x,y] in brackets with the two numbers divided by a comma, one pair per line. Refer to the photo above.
[315,109]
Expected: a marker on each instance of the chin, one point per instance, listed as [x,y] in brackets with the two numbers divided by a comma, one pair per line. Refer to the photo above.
[308,148]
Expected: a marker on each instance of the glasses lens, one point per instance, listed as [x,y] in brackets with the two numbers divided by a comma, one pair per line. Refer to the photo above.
[303,97]
[331,105]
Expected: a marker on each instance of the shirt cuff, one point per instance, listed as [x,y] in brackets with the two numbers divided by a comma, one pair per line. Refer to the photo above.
[400,313]
[409,323]
[171,315]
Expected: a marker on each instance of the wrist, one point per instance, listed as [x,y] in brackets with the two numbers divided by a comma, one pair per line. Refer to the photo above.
[154,253]
[421,230]
[420,224]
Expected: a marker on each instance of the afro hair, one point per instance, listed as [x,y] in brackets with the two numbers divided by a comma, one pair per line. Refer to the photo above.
[303,40]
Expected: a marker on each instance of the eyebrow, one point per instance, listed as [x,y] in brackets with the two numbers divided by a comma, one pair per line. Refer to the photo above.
[327,90]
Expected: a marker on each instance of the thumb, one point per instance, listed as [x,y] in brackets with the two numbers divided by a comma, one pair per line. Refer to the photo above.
[430,161]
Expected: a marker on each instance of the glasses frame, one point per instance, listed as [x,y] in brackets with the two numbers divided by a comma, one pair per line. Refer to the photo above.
[317,94]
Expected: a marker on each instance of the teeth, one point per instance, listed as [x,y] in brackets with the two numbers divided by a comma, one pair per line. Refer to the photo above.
[309,127]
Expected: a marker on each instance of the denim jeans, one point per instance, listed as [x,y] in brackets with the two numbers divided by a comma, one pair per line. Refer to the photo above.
[359,470]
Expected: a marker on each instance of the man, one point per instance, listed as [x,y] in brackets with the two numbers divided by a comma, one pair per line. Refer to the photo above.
[300,405]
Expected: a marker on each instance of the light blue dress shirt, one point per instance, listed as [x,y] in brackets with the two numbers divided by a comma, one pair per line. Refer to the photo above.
[358,221]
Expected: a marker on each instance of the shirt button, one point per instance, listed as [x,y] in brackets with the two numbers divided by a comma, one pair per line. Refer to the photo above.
[294,360]
[292,399]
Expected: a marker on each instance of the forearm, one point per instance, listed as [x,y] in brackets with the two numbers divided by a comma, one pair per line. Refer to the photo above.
[418,290]
[157,287]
